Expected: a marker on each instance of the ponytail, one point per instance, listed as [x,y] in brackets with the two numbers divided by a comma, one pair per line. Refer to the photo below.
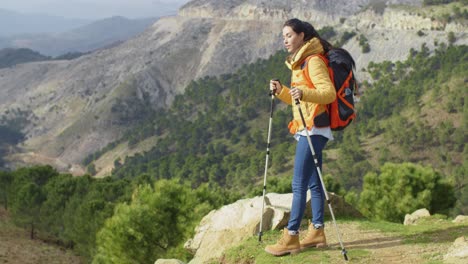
[309,31]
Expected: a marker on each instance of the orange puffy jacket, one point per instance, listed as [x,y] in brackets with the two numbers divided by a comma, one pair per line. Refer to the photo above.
[315,97]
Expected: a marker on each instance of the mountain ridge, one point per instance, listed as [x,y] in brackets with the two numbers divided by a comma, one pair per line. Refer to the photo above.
[89,102]
[10,25]
[86,38]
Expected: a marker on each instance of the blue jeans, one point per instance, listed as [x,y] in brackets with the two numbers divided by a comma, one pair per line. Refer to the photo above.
[306,177]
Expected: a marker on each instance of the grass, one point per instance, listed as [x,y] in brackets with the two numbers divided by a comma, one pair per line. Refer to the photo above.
[431,258]
[252,251]
[434,229]
[366,242]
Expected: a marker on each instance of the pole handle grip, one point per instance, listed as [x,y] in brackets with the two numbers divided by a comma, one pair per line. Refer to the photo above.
[272,92]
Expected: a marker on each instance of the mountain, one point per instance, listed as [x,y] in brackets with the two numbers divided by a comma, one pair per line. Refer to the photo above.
[10,57]
[89,37]
[78,107]
[14,23]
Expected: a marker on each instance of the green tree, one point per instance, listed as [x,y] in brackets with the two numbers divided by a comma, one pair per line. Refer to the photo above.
[403,188]
[364,43]
[461,187]
[58,192]
[146,229]
[27,195]
[352,198]
[451,38]
[157,222]
[353,162]
[91,169]
[86,211]
[27,205]
[5,182]
[332,185]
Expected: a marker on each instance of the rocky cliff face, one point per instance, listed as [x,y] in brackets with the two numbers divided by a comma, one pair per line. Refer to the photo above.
[77,107]
[275,10]
[319,12]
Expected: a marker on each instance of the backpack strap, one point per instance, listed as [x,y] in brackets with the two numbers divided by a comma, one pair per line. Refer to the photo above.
[324,117]
[305,68]
[348,79]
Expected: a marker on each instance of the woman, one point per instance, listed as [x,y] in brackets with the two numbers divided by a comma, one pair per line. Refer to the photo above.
[314,91]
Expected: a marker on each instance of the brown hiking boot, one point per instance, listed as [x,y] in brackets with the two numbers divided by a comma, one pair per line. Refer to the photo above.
[287,244]
[314,238]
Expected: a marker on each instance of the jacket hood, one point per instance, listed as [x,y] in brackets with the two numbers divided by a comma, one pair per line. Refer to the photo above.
[310,47]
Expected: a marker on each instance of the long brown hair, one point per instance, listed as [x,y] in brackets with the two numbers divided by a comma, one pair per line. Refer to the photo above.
[309,31]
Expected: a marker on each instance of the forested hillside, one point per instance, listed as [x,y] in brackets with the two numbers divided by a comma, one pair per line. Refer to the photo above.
[10,57]
[211,151]
[216,132]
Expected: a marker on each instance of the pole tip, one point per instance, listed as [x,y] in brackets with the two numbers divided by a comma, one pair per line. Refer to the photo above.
[344,254]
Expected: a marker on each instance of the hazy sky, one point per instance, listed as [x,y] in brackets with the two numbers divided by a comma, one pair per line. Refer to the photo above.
[90,9]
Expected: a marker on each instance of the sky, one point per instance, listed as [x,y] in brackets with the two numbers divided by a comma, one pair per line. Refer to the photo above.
[90,9]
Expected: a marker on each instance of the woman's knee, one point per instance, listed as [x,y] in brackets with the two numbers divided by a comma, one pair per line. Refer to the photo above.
[299,187]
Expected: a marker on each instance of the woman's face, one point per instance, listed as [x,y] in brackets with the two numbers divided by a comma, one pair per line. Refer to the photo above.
[292,41]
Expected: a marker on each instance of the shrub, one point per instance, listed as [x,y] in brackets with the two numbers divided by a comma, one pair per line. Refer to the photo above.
[403,188]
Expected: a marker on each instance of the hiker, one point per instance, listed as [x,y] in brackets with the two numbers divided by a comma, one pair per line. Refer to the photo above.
[302,40]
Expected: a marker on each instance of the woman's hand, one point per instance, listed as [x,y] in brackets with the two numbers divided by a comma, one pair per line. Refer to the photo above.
[296,94]
[275,86]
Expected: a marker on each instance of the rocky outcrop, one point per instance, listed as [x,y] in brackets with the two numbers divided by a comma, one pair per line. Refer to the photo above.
[458,252]
[460,219]
[317,11]
[231,224]
[168,261]
[411,219]
[225,227]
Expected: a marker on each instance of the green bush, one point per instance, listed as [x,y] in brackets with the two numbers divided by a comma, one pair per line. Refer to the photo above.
[145,229]
[400,189]
[156,223]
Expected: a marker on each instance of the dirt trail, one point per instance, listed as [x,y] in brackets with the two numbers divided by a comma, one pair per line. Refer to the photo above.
[372,246]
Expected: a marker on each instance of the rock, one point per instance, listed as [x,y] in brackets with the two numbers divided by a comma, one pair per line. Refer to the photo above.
[169,261]
[461,219]
[411,219]
[227,226]
[224,228]
[340,207]
[281,204]
[458,252]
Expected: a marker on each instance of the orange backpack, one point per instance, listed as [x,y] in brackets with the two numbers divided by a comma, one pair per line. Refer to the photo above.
[340,64]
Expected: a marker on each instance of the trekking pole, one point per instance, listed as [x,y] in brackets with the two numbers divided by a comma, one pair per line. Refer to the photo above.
[272,94]
[343,250]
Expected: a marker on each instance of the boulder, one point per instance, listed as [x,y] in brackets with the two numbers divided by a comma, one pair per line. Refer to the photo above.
[340,207]
[411,219]
[227,226]
[281,204]
[169,261]
[231,224]
[460,219]
[458,252]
